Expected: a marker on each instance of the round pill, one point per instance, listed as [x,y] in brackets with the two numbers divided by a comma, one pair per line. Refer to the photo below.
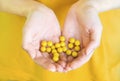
[77,48]
[48,49]
[77,42]
[64,49]
[56,54]
[62,44]
[44,43]
[68,52]
[50,43]
[71,40]
[52,47]
[43,49]
[55,59]
[59,50]
[74,54]
[70,45]
[54,51]
[62,38]
[57,45]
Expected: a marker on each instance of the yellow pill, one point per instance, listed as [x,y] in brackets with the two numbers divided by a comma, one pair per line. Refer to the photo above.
[74,54]
[59,50]
[56,54]
[50,43]
[62,44]
[54,51]
[70,45]
[44,43]
[71,40]
[48,50]
[53,47]
[68,52]
[57,45]
[62,38]
[43,49]
[77,48]
[77,42]
[55,59]
[64,49]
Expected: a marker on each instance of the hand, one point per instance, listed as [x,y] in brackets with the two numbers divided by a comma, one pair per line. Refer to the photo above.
[41,25]
[82,23]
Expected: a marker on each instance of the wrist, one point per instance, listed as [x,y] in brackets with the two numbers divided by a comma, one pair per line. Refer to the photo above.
[21,7]
[100,5]
[87,5]
[40,8]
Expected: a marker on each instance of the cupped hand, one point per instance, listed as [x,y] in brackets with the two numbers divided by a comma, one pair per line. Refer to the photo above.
[41,25]
[83,23]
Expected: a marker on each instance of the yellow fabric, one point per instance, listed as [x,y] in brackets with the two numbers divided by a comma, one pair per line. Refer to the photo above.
[15,63]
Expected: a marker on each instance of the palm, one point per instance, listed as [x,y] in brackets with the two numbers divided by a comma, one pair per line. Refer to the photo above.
[85,27]
[37,28]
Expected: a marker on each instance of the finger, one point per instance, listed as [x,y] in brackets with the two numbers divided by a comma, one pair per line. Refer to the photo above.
[46,63]
[63,60]
[30,45]
[70,59]
[46,55]
[59,68]
[92,23]
[68,68]
[79,61]
[40,58]
[32,51]
[95,37]
[86,53]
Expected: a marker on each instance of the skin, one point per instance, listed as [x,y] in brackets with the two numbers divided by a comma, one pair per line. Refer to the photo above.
[41,24]
[38,28]
[82,23]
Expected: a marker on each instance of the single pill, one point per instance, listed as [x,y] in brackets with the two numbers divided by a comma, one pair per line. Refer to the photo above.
[55,59]
[56,54]
[64,49]
[62,44]
[59,50]
[54,51]
[71,40]
[77,48]
[68,52]
[74,54]
[77,42]
[48,49]
[50,43]
[43,49]
[53,47]
[57,45]
[44,43]
[62,38]
[70,45]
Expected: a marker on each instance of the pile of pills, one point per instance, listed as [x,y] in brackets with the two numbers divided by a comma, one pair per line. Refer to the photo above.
[71,48]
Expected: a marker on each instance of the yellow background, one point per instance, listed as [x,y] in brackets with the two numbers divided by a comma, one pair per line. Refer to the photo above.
[15,63]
